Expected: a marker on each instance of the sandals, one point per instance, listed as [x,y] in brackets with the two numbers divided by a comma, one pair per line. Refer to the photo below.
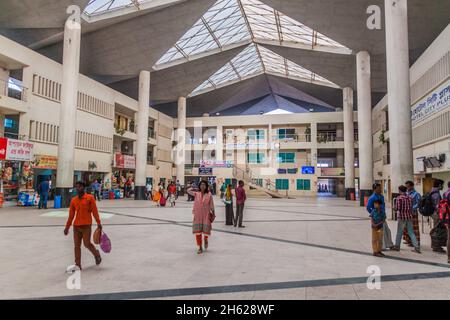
[200,250]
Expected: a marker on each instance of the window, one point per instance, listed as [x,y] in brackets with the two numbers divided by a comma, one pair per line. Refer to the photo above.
[258,182]
[255,134]
[286,157]
[304,184]
[9,123]
[282,184]
[256,158]
[288,134]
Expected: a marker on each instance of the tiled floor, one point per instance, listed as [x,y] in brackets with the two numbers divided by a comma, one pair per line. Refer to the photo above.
[304,248]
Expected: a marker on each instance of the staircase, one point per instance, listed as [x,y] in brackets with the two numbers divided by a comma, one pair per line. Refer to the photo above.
[250,177]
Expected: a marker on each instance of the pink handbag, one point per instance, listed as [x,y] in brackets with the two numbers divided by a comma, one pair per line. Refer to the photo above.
[105,243]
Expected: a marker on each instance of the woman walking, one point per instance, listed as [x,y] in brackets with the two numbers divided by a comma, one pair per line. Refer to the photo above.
[229,212]
[204,215]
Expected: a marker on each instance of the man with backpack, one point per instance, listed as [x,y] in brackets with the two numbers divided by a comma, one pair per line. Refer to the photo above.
[429,207]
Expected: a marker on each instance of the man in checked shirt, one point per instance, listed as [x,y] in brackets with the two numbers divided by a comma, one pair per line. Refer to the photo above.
[403,206]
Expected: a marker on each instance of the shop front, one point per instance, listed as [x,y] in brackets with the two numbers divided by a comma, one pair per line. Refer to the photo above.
[90,176]
[124,170]
[16,172]
[44,168]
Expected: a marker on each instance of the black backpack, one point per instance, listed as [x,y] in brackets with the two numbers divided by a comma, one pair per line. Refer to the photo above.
[426,206]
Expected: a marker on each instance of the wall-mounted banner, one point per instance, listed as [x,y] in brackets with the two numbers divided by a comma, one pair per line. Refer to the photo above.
[436,101]
[216,164]
[124,161]
[45,162]
[18,150]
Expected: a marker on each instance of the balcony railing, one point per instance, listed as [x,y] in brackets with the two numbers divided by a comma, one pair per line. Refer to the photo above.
[292,138]
[328,136]
[13,90]
[12,135]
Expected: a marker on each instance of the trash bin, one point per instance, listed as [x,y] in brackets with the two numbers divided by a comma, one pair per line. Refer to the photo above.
[57,203]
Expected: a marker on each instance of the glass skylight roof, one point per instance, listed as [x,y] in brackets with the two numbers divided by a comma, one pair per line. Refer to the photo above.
[254,60]
[234,22]
[101,6]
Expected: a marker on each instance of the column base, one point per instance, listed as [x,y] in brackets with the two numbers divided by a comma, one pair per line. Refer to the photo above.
[349,192]
[66,196]
[140,193]
[362,195]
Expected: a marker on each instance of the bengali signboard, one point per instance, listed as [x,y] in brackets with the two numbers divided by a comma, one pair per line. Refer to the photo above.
[123,161]
[216,164]
[434,102]
[16,150]
[45,162]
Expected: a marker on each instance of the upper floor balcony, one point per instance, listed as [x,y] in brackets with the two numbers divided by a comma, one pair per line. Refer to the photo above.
[13,96]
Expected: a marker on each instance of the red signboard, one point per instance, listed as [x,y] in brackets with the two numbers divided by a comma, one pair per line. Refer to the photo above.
[3,147]
[19,150]
[123,161]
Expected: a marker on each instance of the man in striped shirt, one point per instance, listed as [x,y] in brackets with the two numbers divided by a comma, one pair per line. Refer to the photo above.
[403,206]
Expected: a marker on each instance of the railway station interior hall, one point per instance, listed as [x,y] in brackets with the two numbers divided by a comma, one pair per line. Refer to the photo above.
[311,109]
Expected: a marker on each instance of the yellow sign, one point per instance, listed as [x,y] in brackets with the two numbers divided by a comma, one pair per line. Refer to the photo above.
[45,162]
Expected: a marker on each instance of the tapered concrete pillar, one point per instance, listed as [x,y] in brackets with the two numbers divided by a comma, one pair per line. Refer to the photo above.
[314,144]
[364,124]
[181,138]
[142,136]
[68,110]
[399,96]
[349,143]
[219,143]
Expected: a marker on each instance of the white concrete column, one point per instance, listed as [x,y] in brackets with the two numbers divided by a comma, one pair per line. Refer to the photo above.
[340,152]
[68,110]
[142,135]
[219,144]
[349,143]
[314,144]
[181,138]
[364,124]
[270,145]
[399,96]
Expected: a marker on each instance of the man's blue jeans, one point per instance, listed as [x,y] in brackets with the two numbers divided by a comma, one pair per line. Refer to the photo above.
[409,225]
[43,201]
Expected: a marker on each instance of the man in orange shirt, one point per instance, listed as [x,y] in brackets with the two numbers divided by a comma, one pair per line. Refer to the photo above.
[82,208]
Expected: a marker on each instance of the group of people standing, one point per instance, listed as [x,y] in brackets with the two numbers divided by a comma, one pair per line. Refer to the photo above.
[226,193]
[407,206]
[161,195]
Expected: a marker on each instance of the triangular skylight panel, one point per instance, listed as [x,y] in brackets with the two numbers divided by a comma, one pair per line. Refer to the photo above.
[229,23]
[101,6]
[255,60]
